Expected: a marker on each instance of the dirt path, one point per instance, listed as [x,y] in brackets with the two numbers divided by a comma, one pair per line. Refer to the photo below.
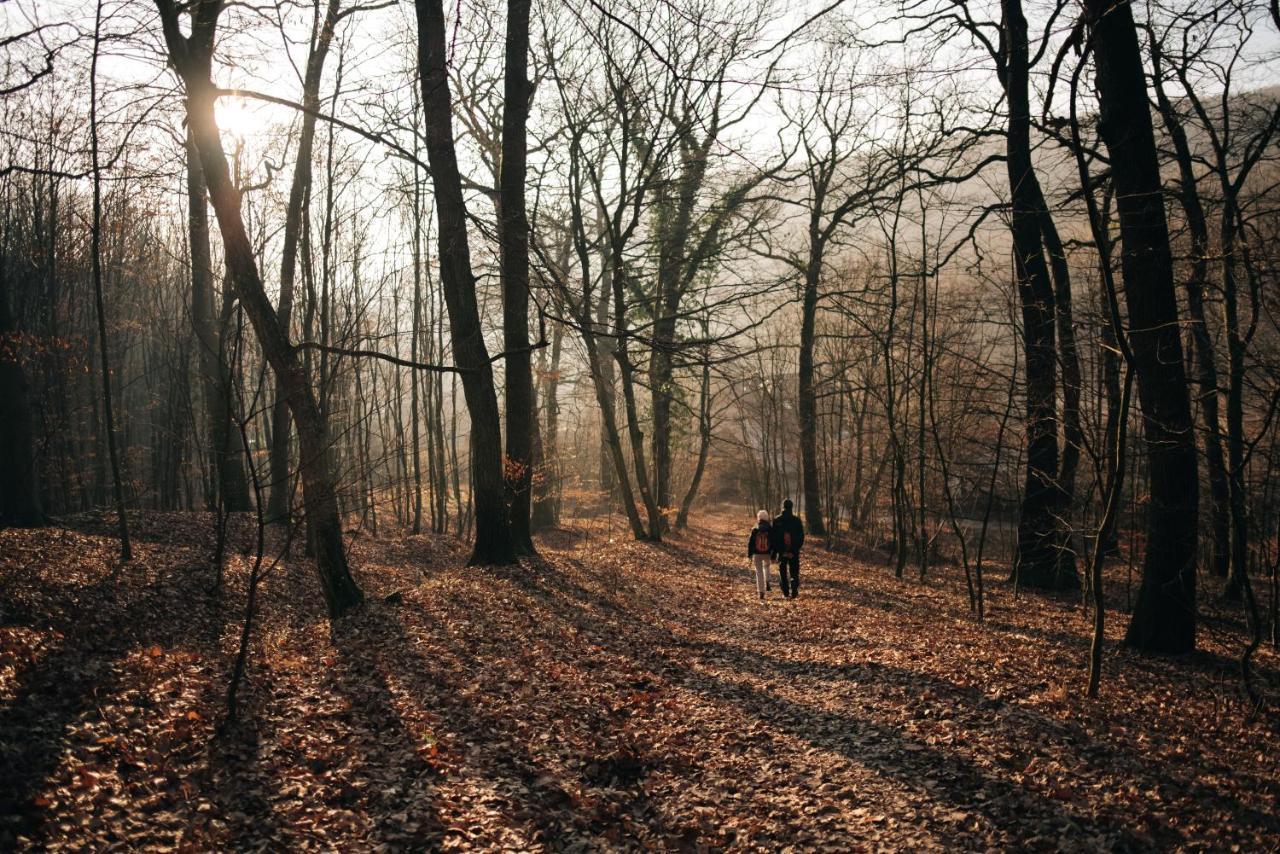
[617,694]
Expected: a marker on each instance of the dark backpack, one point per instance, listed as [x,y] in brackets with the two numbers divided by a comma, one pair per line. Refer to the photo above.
[762,541]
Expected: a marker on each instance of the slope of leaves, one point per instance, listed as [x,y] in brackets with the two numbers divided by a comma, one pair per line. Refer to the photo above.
[612,695]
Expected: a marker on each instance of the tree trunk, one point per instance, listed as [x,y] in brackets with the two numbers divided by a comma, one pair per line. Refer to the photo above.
[19,477]
[1236,346]
[442,460]
[898,481]
[546,506]
[520,408]
[415,352]
[675,228]
[1164,616]
[108,416]
[493,542]
[926,370]
[704,444]
[192,58]
[225,447]
[626,377]
[1108,541]
[604,369]
[661,390]
[1042,541]
[299,192]
[605,399]
[1069,361]
[807,401]
[1201,340]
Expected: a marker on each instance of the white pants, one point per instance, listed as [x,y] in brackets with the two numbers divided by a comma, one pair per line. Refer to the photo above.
[763,566]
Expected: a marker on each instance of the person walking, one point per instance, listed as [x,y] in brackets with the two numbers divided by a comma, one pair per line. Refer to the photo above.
[788,537]
[760,547]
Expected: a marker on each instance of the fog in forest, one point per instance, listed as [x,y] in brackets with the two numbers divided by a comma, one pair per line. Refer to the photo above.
[318,310]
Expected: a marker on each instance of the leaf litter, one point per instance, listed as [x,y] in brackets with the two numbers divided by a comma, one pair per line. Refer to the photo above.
[611,695]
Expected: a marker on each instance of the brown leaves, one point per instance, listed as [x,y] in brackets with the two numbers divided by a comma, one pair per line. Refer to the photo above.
[619,695]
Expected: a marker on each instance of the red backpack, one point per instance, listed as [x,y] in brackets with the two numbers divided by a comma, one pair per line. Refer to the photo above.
[762,541]
[786,541]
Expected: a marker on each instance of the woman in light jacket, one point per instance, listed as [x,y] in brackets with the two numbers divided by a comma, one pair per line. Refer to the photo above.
[760,549]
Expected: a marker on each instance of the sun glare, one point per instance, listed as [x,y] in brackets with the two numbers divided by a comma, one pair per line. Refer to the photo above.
[238,118]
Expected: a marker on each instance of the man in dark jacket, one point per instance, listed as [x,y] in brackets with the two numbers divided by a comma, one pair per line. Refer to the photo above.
[788,537]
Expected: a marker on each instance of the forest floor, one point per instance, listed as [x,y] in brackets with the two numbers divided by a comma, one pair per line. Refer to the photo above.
[612,695]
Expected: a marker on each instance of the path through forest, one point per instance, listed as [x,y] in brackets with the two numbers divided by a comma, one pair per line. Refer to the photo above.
[618,694]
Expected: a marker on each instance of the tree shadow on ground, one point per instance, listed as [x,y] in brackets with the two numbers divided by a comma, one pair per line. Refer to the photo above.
[958,782]
[509,756]
[238,779]
[380,763]
[97,625]
[965,785]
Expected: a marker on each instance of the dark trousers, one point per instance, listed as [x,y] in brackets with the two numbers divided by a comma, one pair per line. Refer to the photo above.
[790,587]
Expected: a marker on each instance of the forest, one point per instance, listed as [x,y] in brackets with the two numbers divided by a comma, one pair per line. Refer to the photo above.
[387,390]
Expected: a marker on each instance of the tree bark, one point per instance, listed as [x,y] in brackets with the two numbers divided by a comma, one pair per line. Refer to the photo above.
[520,406]
[299,190]
[546,505]
[604,370]
[1042,556]
[601,360]
[898,481]
[1201,340]
[415,349]
[1108,541]
[1237,344]
[192,59]
[1164,616]
[704,444]
[612,439]
[626,378]
[806,397]
[19,476]
[675,223]
[1069,363]
[493,541]
[437,440]
[226,450]
[108,416]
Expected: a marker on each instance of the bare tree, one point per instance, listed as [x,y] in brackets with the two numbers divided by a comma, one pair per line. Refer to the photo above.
[1164,616]
[232,489]
[521,409]
[20,502]
[192,56]
[493,540]
[322,31]
[95,231]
